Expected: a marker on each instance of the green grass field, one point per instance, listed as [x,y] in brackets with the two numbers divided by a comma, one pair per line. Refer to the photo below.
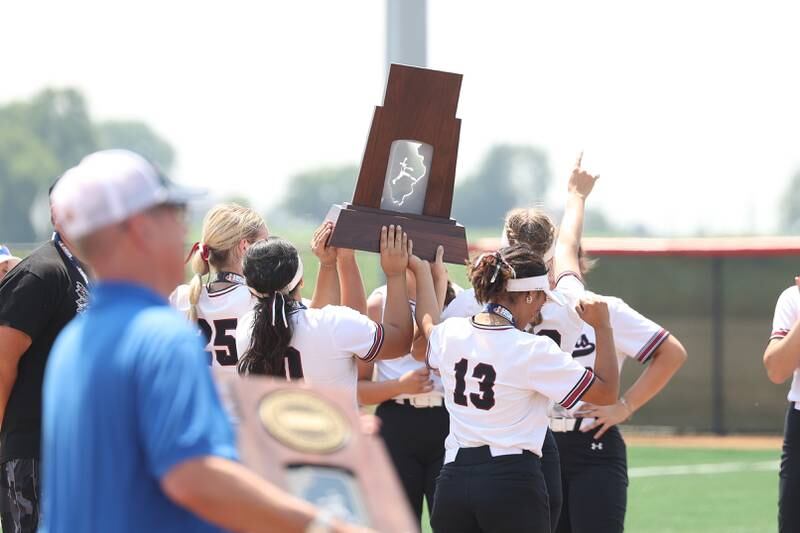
[686,495]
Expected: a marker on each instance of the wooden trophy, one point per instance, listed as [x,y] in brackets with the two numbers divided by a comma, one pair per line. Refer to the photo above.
[309,442]
[408,172]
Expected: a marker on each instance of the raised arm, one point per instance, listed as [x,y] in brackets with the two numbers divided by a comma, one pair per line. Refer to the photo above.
[351,285]
[605,389]
[427,311]
[326,291]
[569,234]
[397,322]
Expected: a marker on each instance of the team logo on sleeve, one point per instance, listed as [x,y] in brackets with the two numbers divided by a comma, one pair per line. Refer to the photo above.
[583,347]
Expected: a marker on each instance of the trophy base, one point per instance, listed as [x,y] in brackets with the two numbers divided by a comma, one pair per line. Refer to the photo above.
[359,228]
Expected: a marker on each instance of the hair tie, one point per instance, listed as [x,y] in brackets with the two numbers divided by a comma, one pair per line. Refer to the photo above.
[283,308]
[192,251]
[204,251]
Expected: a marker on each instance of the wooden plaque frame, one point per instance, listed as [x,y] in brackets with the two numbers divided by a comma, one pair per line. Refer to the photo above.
[363,456]
[420,105]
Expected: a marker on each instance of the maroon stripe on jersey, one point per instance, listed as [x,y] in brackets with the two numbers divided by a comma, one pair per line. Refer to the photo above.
[376,344]
[578,390]
[655,341]
[779,334]
[569,273]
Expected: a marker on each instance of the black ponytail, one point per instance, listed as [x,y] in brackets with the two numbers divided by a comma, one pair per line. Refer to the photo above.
[268,267]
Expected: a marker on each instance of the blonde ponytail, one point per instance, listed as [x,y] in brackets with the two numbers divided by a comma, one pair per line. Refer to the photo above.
[224,227]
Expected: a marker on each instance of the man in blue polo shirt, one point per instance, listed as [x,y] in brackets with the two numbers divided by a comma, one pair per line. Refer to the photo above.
[134,437]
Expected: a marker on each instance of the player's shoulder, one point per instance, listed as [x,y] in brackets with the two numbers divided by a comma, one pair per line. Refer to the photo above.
[179,299]
[463,305]
[331,314]
[790,295]
[614,303]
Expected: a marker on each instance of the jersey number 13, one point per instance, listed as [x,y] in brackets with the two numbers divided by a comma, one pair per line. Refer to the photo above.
[483,372]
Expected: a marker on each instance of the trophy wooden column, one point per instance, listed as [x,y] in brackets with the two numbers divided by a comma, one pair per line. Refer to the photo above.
[420,106]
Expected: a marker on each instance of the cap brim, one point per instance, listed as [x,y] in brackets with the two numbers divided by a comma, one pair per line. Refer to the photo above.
[179,195]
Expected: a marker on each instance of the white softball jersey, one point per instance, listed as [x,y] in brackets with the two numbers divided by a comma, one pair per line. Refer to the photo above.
[328,341]
[218,315]
[560,323]
[787,312]
[498,383]
[390,369]
[635,337]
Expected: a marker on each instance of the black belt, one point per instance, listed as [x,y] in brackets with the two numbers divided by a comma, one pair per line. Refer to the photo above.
[482,454]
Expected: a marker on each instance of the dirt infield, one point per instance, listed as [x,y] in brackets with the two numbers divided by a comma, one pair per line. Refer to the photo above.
[730,442]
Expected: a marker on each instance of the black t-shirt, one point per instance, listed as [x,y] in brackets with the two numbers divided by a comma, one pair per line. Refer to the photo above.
[38,297]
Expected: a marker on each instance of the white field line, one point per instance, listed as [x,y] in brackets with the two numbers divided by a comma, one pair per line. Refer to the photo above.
[712,468]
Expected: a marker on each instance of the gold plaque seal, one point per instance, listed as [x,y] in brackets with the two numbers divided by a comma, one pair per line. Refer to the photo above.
[303,421]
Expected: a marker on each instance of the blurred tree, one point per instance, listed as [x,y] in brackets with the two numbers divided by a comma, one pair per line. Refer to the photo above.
[312,193]
[136,136]
[510,176]
[42,137]
[790,206]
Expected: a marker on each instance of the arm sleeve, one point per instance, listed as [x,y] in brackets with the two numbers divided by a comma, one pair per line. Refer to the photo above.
[570,282]
[179,413]
[433,354]
[557,375]
[635,335]
[785,313]
[353,332]
[27,301]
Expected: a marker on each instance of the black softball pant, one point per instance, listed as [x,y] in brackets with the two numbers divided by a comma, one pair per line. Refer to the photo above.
[789,484]
[594,479]
[478,493]
[414,437]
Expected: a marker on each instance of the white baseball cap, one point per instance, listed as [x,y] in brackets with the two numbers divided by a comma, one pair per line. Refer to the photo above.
[5,255]
[110,186]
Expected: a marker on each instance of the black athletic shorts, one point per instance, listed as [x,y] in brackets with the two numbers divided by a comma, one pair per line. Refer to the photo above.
[594,478]
[478,493]
[789,484]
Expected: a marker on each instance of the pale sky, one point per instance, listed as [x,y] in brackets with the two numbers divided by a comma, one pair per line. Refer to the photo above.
[687,109]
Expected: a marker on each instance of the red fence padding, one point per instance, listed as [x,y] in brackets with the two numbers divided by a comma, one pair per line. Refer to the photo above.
[688,247]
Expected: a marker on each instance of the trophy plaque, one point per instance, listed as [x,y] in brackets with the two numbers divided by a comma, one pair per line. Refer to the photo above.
[408,171]
[309,442]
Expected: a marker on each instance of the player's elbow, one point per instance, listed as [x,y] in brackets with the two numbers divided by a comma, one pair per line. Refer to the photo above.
[775,373]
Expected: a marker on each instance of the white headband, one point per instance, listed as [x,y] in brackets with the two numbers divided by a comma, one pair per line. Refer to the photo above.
[535,283]
[548,256]
[296,279]
[284,291]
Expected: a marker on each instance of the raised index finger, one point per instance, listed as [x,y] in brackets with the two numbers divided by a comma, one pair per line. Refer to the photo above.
[578,161]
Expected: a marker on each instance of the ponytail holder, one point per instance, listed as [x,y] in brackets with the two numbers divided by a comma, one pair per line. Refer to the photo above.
[192,251]
[204,251]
